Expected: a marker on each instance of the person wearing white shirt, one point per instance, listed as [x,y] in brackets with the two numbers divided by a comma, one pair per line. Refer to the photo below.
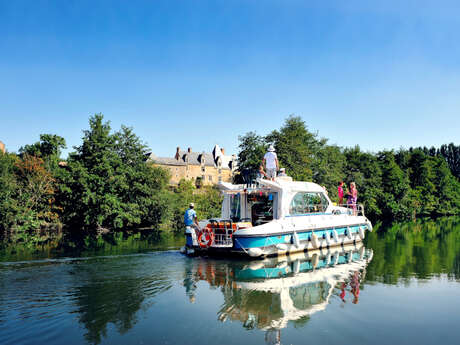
[270,162]
[282,172]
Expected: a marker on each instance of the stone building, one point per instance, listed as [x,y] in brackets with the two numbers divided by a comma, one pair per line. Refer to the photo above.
[2,147]
[206,168]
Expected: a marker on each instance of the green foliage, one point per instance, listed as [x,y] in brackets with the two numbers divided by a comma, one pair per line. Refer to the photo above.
[451,154]
[364,169]
[329,168]
[8,191]
[207,200]
[395,186]
[49,145]
[27,200]
[296,147]
[106,184]
[252,149]
[392,186]
[426,247]
[109,185]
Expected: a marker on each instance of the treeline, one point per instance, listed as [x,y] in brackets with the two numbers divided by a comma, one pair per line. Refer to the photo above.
[392,185]
[104,185]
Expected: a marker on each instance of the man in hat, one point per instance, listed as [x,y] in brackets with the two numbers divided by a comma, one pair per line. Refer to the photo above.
[282,172]
[270,162]
[191,221]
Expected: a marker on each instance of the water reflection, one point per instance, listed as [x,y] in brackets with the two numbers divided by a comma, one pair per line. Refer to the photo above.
[269,294]
[405,278]
[422,249]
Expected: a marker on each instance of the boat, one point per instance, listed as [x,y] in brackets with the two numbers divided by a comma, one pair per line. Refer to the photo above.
[279,217]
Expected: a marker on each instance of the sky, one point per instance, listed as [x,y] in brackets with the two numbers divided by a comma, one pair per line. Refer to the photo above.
[378,74]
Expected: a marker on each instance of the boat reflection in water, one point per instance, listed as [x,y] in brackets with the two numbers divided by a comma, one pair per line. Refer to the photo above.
[270,293]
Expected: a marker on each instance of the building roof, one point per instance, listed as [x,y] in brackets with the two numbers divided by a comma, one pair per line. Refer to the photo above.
[166,160]
[195,158]
[210,159]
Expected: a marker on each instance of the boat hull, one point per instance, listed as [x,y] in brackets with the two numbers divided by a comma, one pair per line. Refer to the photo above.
[283,243]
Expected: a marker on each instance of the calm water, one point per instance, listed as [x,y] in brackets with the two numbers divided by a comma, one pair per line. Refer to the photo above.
[403,287]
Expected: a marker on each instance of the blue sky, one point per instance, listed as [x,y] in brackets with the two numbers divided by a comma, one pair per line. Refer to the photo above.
[380,74]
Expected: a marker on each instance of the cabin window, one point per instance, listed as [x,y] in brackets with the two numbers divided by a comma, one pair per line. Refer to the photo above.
[235,207]
[308,202]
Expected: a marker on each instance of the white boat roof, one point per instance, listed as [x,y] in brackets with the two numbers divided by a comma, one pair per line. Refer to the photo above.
[280,183]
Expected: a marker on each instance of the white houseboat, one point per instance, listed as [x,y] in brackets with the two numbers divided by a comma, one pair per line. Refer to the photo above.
[277,218]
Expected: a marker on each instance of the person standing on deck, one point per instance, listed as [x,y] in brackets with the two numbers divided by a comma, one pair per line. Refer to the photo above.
[270,162]
[191,220]
[352,197]
[340,192]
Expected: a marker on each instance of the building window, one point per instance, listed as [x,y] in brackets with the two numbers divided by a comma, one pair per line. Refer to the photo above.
[203,178]
[220,178]
[220,171]
[203,169]
[210,178]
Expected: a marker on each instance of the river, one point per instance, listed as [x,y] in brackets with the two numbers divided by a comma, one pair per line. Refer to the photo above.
[401,287]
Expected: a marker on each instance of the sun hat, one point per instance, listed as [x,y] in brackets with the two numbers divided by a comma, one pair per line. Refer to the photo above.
[283,169]
[271,148]
[192,204]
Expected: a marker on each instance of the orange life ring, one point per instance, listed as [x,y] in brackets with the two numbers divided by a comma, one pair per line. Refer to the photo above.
[206,238]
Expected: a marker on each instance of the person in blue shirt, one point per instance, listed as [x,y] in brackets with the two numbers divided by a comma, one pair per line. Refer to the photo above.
[190,218]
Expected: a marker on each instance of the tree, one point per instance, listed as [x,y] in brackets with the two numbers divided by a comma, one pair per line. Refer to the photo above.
[451,153]
[296,148]
[447,188]
[8,191]
[329,168]
[421,172]
[251,152]
[48,148]
[109,185]
[394,201]
[364,169]
[27,192]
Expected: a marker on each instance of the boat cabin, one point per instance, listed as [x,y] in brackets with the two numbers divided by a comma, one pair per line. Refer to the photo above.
[260,204]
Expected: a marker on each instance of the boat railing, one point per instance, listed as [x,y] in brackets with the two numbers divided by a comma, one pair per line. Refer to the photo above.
[350,209]
[223,232]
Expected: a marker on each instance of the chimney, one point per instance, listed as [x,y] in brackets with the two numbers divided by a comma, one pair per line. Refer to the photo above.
[177,156]
[223,151]
[189,150]
[2,147]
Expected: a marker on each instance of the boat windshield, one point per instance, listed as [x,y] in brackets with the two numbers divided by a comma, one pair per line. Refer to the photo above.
[308,202]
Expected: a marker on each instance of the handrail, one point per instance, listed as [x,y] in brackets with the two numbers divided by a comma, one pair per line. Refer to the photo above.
[352,209]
